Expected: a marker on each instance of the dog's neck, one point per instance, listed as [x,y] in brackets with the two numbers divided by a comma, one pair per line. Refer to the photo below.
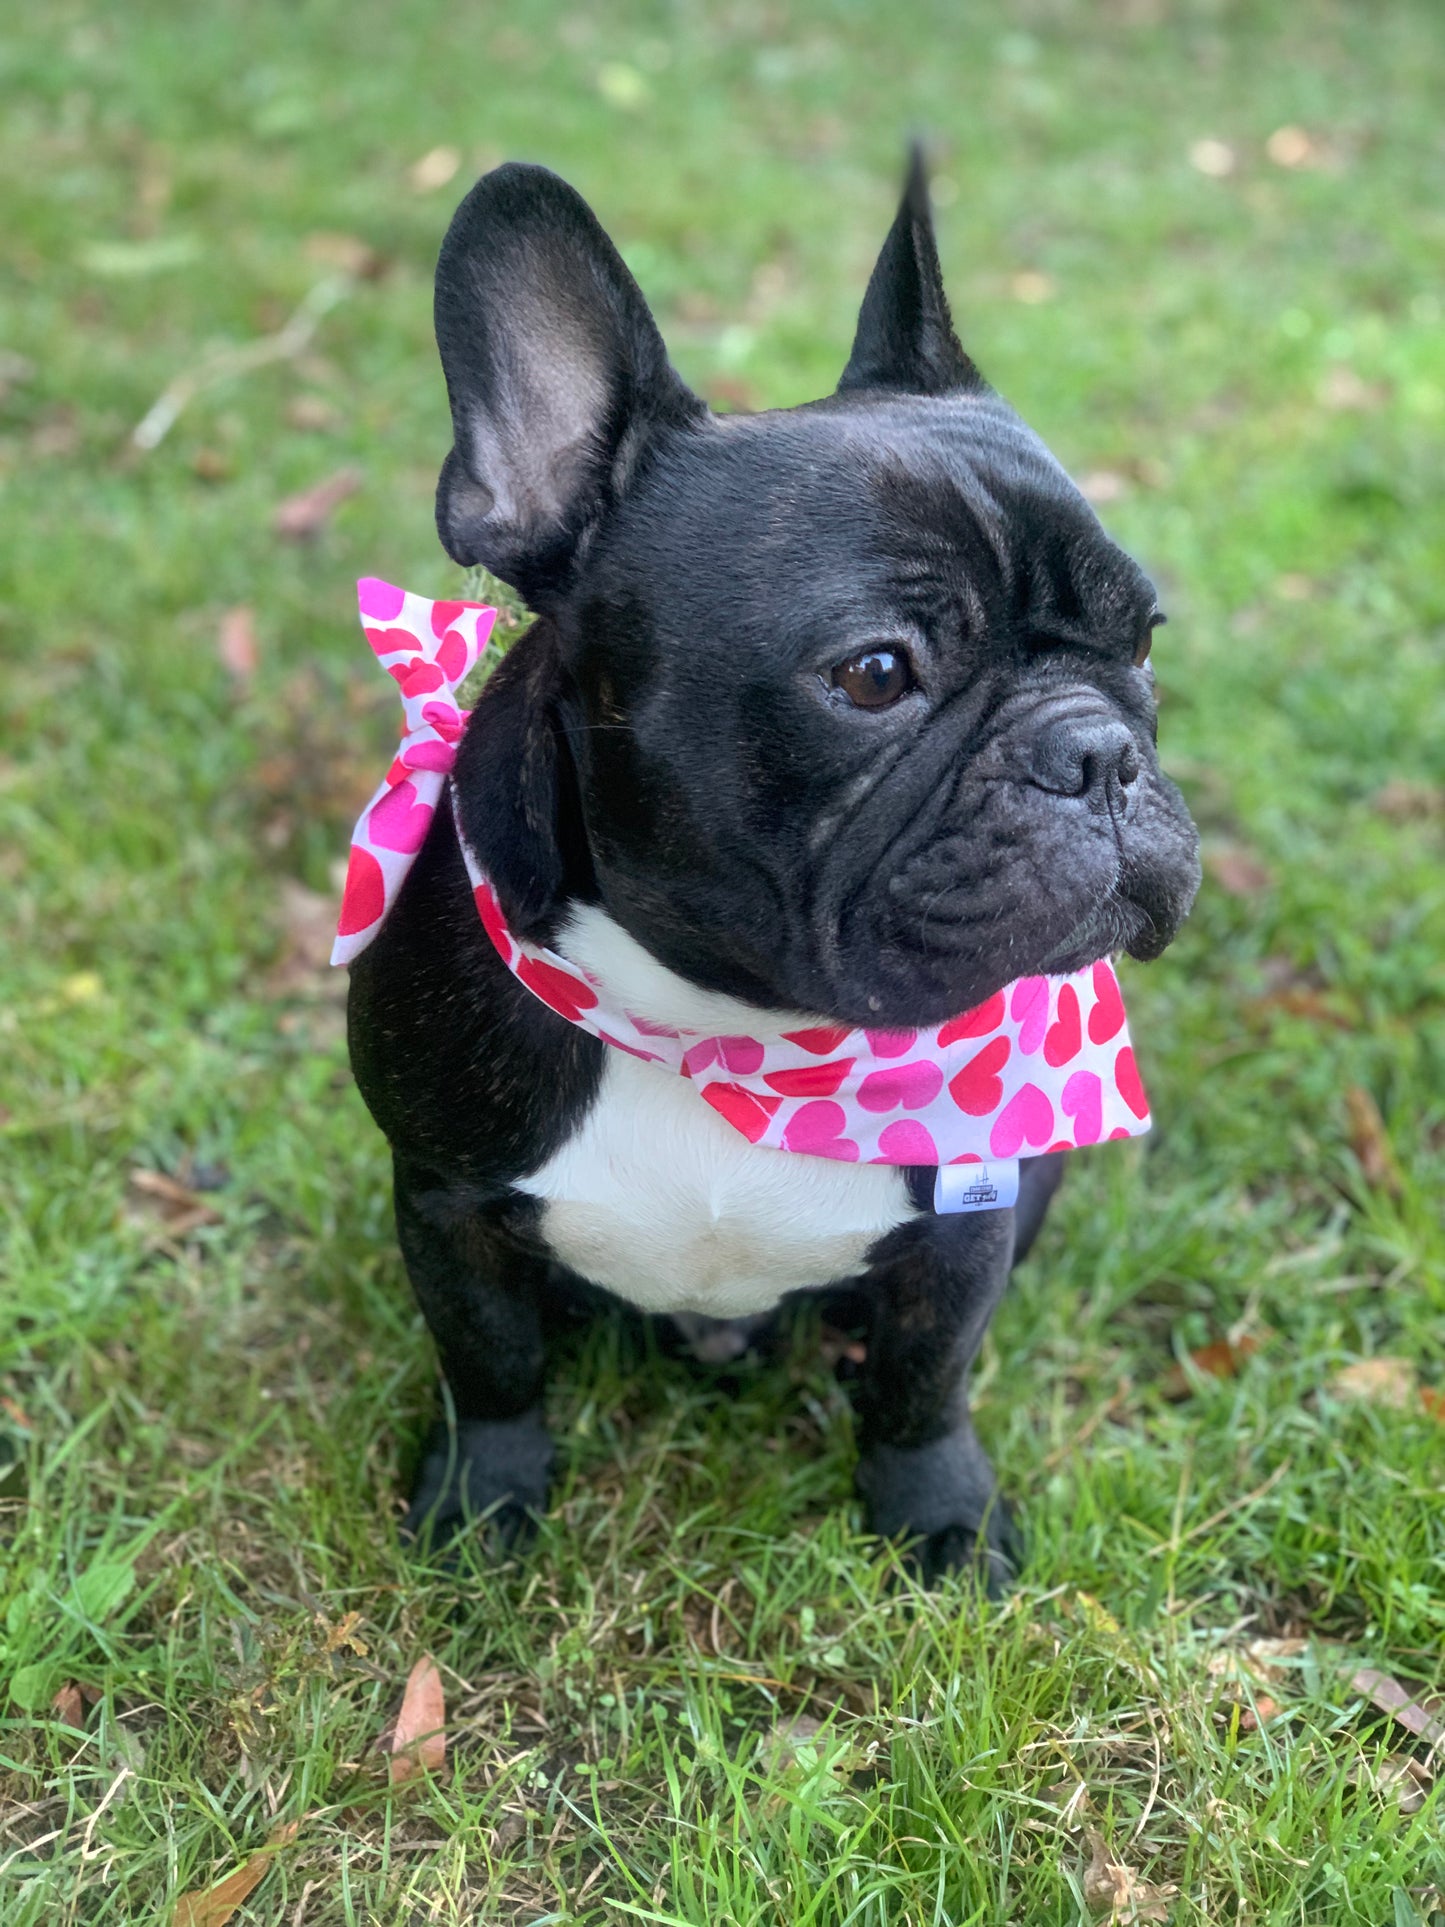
[634,980]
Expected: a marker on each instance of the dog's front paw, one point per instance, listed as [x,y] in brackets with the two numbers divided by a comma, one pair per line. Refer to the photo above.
[942,1501]
[491,1471]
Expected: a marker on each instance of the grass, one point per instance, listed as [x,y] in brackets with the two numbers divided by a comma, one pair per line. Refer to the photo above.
[705,1698]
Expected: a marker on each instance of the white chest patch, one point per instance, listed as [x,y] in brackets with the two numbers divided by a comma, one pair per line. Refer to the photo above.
[657,1198]
[660,1200]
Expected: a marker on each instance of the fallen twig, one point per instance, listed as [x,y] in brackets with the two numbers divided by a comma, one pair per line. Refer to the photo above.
[223,364]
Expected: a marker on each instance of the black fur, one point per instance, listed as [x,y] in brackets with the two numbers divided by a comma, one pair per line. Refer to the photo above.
[666,742]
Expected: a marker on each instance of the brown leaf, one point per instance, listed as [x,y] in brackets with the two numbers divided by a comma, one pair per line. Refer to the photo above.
[236,645]
[180,1209]
[68,1706]
[1406,801]
[1379,1381]
[1433,1402]
[214,1906]
[1116,1891]
[1238,871]
[1418,1714]
[419,1739]
[1102,486]
[300,518]
[1222,1359]
[1303,1001]
[312,413]
[780,1744]
[435,168]
[1032,288]
[1264,1708]
[1291,147]
[347,253]
[308,925]
[1212,157]
[1370,1142]
[1407,1780]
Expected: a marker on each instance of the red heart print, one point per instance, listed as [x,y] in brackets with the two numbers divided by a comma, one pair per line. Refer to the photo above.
[1065,1035]
[821,1042]
[890,1043]
[744,1110]
[817,1130]
[421,679]
[493,922]
[364,897]
[910,1086]
[974,1023]
[1083,1101]
[1027,1118]
[1029,1008]
[444,614]
[1106,1019]
[649,1029]
[429,755]
[565,994]
[451,657]
[905,1142]
[391,642]
[399,821]
[1131,1085]
[740,1055]
[978,1088]
[379,600]
[813,1080]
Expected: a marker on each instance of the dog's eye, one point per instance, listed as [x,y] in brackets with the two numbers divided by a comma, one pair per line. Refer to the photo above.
[875,679]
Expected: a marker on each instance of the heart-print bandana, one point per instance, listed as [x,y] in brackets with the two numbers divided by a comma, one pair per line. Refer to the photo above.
[1045,1064]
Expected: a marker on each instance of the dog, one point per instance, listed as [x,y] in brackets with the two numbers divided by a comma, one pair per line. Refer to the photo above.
[838,715]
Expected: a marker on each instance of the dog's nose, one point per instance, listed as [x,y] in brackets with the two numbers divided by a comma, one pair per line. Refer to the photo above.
[1091,756]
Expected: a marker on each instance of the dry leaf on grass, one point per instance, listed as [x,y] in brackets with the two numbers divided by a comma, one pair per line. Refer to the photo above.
[68,1706]
[435,168]
[1117,1892]
[1370,1142]
[1212,157]
[1404,1779]
[418,1741]
[214,1906]
[180,1209]
[1379,1381]
[308,924]
[347,253]
[1219,1360]
[236,645]
[1238,871]
[1407,801]
[300,518]
[1422,1714]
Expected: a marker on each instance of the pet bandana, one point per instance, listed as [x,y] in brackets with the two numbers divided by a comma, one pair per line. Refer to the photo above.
[1045,1064]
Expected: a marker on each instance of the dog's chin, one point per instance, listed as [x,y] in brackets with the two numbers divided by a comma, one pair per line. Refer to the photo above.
[907,988]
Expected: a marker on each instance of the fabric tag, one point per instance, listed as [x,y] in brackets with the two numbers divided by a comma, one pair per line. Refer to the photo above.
[976,1187]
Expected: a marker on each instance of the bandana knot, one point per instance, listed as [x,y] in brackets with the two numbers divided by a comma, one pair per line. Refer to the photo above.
[428,649]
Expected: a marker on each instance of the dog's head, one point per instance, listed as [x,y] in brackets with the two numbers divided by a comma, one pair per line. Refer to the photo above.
[842,709]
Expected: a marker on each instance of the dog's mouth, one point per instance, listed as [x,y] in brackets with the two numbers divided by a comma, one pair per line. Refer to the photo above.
[1116,923]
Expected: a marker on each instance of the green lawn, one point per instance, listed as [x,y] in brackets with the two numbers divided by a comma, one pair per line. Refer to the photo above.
[704,1698]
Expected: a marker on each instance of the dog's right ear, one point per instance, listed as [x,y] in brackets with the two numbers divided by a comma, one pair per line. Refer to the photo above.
[556,374]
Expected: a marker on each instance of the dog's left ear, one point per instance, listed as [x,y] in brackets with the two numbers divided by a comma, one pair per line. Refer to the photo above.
[905,338]
[556,374]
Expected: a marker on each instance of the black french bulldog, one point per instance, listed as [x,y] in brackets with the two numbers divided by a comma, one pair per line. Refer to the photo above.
[842,710]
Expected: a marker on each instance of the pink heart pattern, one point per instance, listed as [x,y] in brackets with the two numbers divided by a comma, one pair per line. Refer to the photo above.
[1043,1064]
[427,648]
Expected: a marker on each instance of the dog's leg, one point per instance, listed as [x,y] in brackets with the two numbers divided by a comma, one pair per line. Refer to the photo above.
[922,1472]
[481,1295]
